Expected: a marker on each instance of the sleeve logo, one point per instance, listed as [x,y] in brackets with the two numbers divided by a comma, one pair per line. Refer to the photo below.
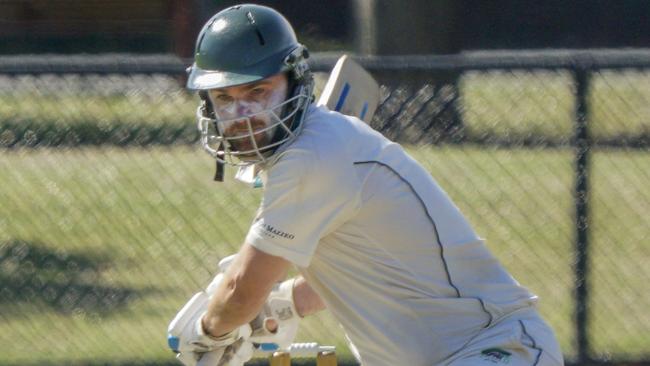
[275,233]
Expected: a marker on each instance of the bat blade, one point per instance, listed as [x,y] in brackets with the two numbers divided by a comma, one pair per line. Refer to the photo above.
[351,90]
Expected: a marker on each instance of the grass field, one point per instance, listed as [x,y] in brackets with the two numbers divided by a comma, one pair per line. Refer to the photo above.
[542,103]
[100,247]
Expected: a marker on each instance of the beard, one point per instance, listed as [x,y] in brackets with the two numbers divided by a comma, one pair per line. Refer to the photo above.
[241,140]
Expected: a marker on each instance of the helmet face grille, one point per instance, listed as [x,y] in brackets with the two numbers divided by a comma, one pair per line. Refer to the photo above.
[241,45]
[244,148]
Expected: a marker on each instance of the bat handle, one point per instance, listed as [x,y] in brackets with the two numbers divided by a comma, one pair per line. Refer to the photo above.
[210,358]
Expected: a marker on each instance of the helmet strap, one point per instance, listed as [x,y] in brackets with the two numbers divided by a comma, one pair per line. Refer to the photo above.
[219,171]
[220,168]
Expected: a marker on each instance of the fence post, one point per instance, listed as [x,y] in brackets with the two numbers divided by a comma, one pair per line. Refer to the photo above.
[582,151]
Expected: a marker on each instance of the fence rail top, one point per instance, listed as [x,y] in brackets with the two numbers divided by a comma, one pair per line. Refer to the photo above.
[476,60]
[485,60]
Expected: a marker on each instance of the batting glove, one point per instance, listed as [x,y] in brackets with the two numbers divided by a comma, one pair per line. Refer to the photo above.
[237,354]
[187,337]
[281,310]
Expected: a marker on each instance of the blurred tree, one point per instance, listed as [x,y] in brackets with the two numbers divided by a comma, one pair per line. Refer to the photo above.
[393,27]
[331,19]
[376,26]
[91,26]
[185,28]
[520,24]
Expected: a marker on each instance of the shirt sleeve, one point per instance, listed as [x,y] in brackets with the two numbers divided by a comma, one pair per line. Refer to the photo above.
[305,198]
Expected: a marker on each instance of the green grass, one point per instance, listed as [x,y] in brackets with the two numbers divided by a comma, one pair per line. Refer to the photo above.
[620,99]
[542,103]
[156,215]
[621,230]
[72,108]
[150,223]
[145,228]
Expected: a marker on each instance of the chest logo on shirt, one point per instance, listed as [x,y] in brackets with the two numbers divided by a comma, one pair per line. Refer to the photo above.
[496,355]
[274,233]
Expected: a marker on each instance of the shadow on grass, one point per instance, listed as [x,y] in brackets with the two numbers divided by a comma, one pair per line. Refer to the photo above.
[63,281]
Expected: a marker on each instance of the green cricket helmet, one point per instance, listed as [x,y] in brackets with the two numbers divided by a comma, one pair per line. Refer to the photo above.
[240,45]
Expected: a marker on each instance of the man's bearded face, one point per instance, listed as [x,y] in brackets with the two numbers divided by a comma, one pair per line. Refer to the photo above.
[248,114]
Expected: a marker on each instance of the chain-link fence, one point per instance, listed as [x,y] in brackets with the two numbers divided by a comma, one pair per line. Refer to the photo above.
[109,220]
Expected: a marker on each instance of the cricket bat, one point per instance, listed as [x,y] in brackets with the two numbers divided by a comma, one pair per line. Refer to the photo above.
[350,90]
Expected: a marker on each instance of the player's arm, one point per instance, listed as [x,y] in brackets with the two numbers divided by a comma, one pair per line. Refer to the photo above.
[242,293]
[306,300]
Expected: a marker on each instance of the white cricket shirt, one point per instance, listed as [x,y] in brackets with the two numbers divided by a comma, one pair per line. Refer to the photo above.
[383,245]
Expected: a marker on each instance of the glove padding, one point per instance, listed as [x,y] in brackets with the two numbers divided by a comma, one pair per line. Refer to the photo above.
[187,337]
[236,354]
[280,308]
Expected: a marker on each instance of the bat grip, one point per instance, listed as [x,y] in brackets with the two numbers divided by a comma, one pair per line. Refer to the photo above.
[210,358]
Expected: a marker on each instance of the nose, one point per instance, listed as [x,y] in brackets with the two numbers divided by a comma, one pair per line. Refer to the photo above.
[243,108]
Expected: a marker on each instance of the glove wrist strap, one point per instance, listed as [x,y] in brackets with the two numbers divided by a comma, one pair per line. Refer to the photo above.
[218,341]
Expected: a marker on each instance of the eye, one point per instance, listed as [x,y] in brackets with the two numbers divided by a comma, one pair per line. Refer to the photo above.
[223,98]
[258,91]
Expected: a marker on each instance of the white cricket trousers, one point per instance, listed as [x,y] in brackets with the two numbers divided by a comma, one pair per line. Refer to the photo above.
[521,339]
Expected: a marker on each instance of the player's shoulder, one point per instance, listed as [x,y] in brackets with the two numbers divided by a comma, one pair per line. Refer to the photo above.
[322,117]
[326,127]
[334,139]
[321,143]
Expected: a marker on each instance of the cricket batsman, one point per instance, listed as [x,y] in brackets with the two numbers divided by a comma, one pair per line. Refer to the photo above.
[375,239]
